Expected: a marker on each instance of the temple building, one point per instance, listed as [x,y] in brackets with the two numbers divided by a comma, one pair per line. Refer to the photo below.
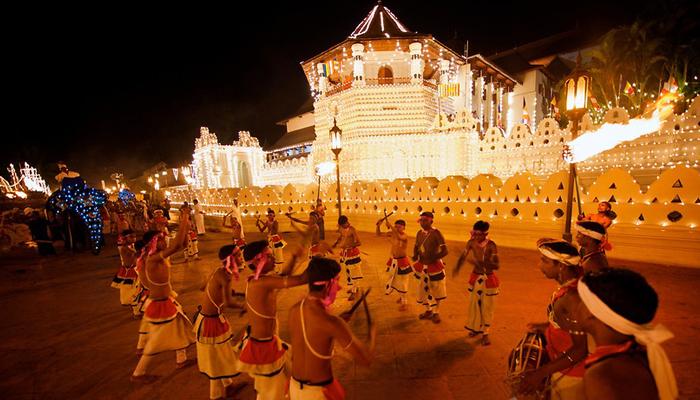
[410,107]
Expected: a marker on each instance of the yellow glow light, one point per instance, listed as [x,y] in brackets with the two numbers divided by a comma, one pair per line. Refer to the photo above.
[325,168]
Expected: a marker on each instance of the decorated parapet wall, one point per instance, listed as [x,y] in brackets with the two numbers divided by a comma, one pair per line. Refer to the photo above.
[540,151]
[658,224]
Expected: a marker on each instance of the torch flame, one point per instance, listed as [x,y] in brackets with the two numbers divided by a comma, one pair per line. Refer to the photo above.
[609,136]
[325,168]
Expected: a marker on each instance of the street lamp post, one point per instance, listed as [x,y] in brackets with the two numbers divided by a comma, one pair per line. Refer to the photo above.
[576,89]
[318,191]
[336,146]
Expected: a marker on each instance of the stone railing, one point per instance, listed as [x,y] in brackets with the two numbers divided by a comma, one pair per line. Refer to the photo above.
[655,225]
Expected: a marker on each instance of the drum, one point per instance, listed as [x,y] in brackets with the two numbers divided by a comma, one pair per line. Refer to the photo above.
[529,354]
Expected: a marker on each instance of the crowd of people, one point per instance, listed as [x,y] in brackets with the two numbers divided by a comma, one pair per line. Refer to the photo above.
[599,342]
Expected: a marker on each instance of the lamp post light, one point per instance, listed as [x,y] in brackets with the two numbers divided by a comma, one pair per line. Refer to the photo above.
[337,146]
[576,90]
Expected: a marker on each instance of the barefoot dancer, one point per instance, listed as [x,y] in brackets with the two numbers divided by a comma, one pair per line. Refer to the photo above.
[216,349]
[398,265]
[164,325]
[262,354]
[349,242]
[483,282]
[428,251]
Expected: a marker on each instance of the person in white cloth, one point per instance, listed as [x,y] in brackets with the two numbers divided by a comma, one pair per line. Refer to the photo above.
[198,217]
[236,213]
[616,309]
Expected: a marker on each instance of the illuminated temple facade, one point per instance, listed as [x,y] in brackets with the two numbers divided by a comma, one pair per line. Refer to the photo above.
[411,107]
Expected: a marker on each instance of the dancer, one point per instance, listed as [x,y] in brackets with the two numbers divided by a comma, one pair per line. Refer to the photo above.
[235,213]
[122,223]
[350,243]
[590,237]
[160,223]
[216,349]
[140,293]
[559,261]
[428,252]
[616,308]
[398,265]
[604,216]
[125,279]
[321,212]
[192,248]
[262,354]
[235,226]
[313,233]
[276,243]
[483,282]
[164,326]
[314,331]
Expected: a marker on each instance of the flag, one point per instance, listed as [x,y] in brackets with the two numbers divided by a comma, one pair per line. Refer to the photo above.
[629,89]
[448,89]
[672,85]
[331,67]
[594,103]
[325,70]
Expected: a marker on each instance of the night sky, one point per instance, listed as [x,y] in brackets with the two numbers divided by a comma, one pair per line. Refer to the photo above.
[124,88]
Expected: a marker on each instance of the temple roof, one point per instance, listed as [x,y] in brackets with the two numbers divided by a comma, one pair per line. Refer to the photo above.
[307,107]
[385,32]
[380,23]
[295,138]
[539,53]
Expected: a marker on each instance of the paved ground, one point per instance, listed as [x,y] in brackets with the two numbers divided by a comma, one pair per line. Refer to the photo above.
[64,334]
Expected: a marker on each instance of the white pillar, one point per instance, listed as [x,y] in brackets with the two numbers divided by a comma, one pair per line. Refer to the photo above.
[479,95]
[509,112]
[417,63]
[489,104]
[358,64]
[444,71]
[322,79]
[468,89]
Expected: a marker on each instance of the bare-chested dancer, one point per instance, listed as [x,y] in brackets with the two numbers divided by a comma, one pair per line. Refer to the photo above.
[313,232]
[398,265]
[272,226]
[314,333]
[484,285]
[428,251]
[349,243]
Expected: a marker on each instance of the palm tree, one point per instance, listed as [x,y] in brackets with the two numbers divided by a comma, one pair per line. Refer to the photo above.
[627,54]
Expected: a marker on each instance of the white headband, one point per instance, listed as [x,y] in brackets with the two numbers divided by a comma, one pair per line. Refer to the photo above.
[646,335]
[561,257]
[589,233]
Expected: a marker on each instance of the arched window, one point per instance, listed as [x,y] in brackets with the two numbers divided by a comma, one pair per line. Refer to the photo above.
[244,179]
[385,75]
